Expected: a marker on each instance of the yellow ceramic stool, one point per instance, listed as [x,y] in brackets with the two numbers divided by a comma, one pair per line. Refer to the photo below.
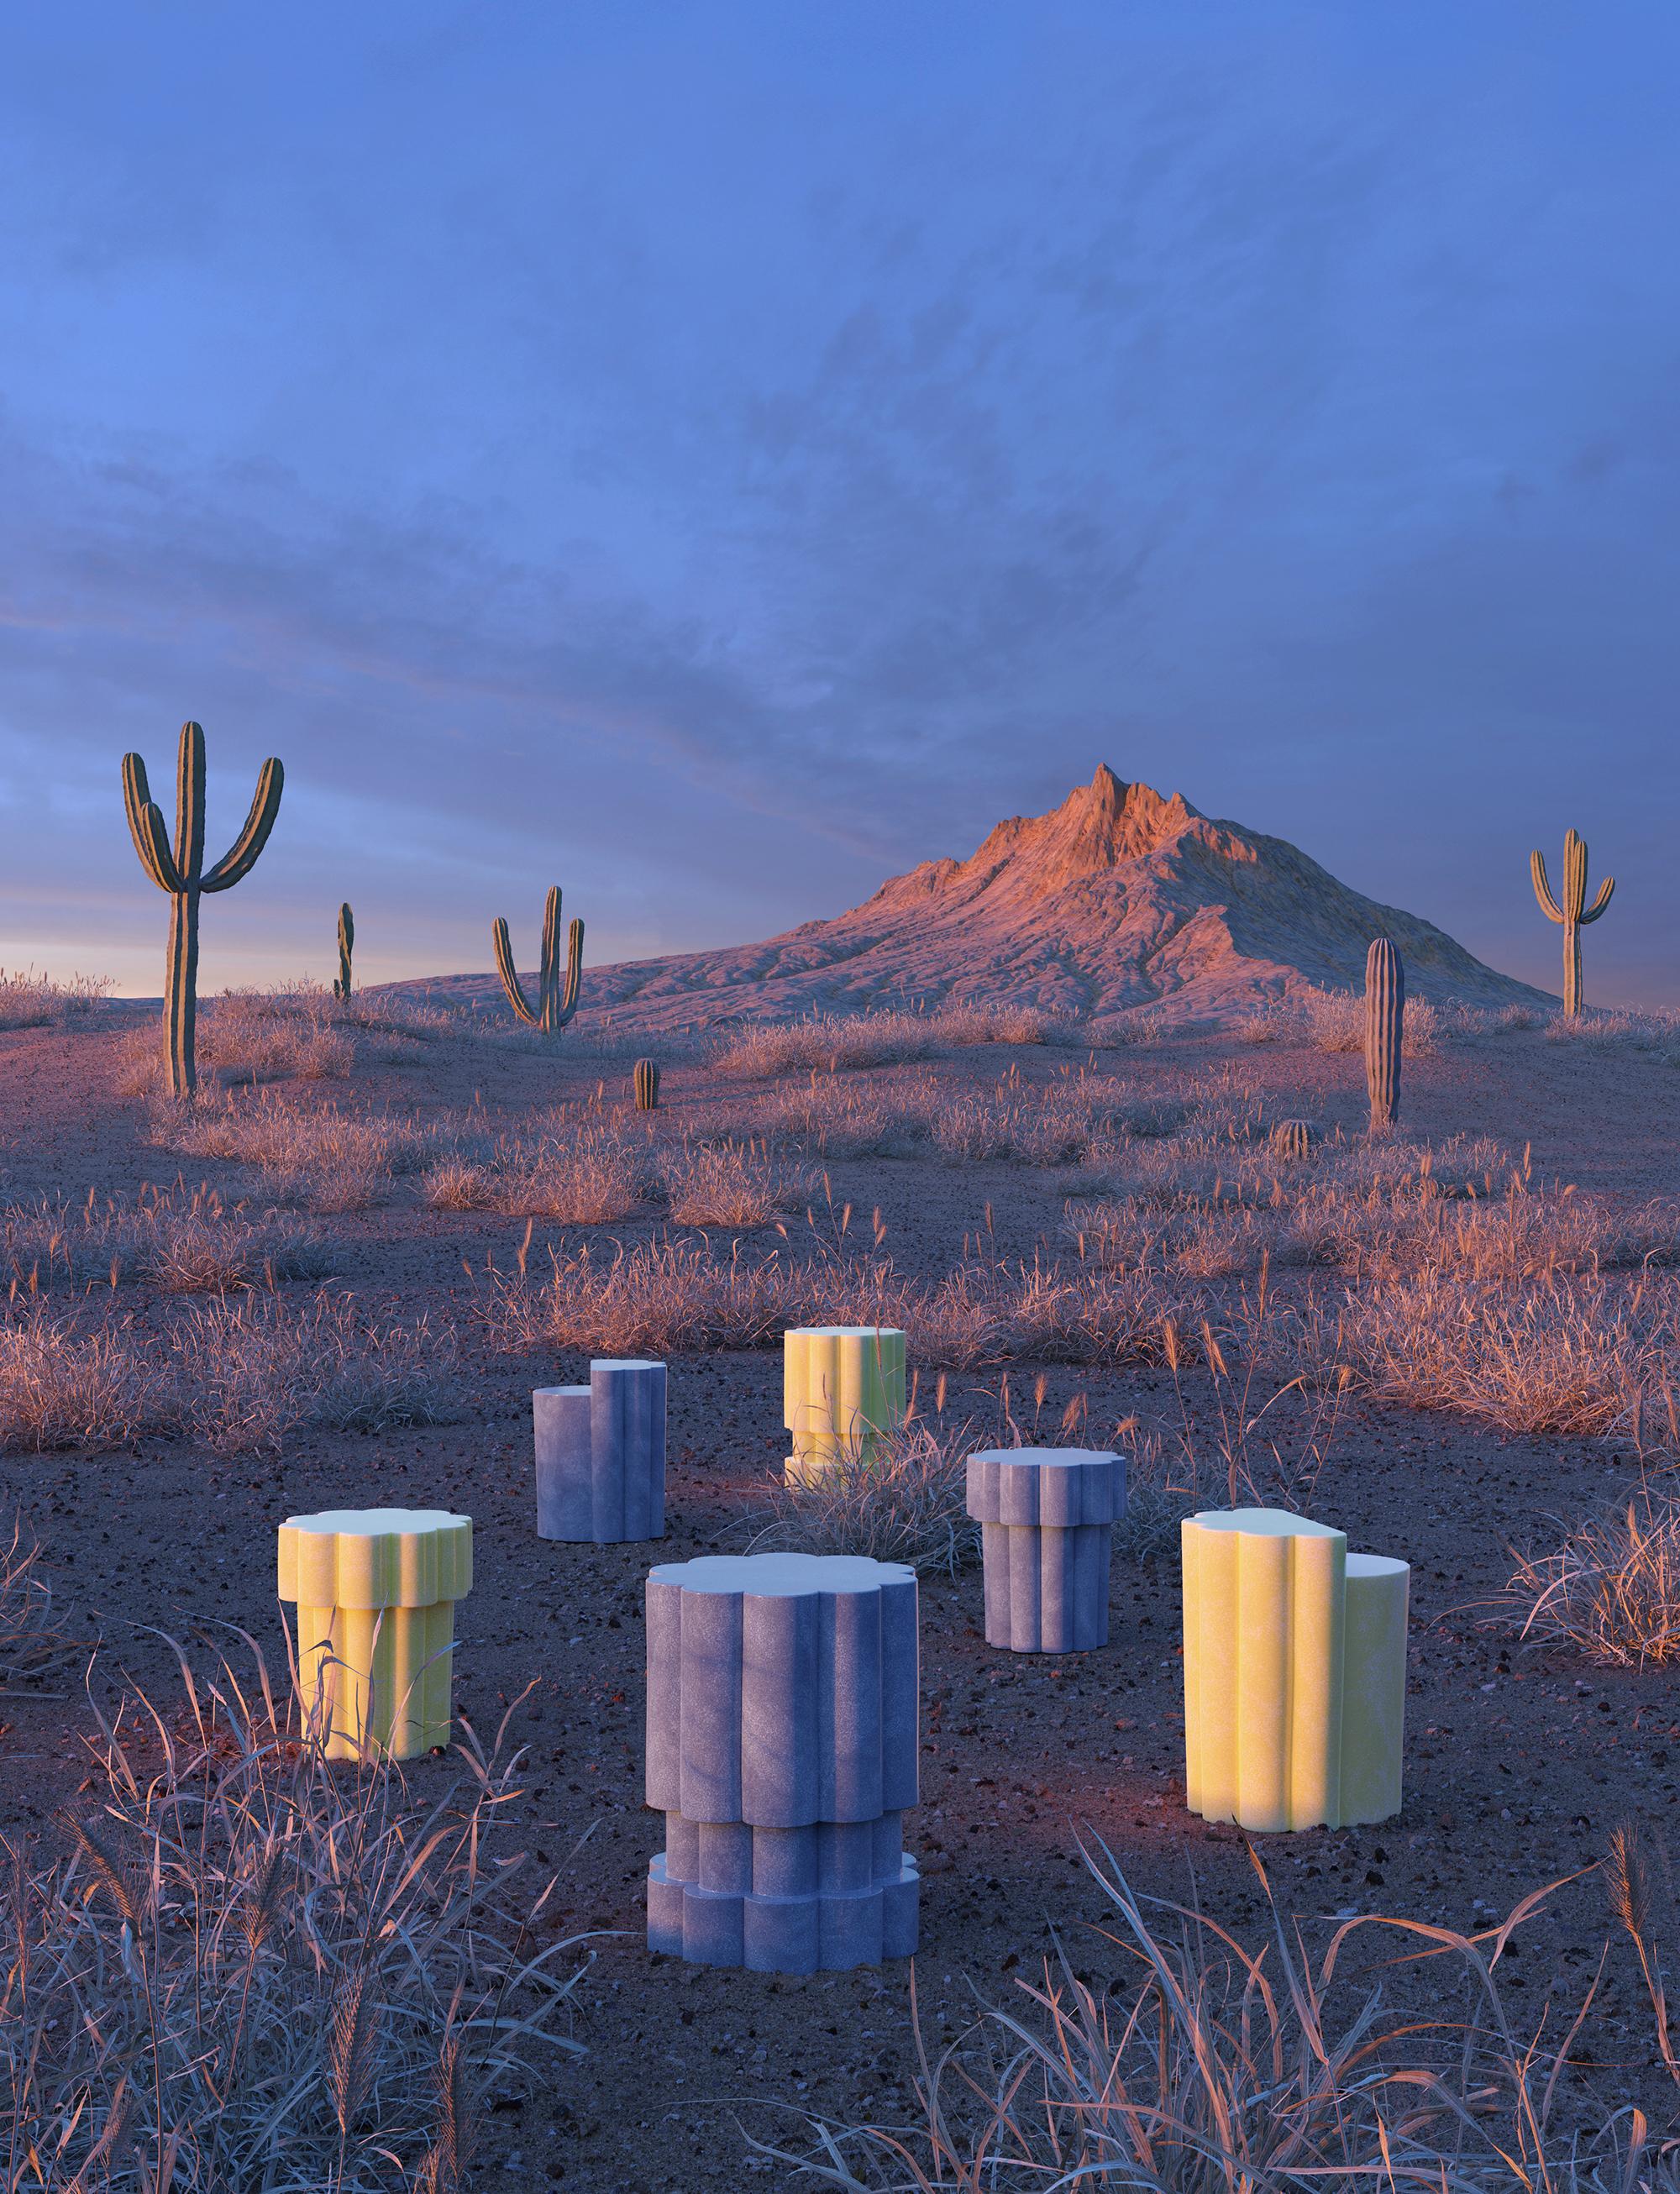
[843,1390]
[1294,1673]
[375,1591]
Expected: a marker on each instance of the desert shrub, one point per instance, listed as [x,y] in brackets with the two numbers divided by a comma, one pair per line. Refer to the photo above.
[1556,1353]
[239,1375]
[656,1298]
[840,1119]
[1611,1589]
[31,1001]
[1056,1122]
[245,1375]
[573,1166]
[1157,1501]
[1202,2063]
[316,1156]
[883,1039]
[1334,1021]
[584,1175]
[1655,1033]
[459,1185]
[180,1239]
[255,1969]
[730,1183]
[908,1504]
[63,1385]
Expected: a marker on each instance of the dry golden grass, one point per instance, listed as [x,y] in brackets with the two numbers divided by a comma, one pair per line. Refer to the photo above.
[1611,1589]
[237,1376]
[731,1184]
[317,1156]
[31,1001]
[882,1039]
[34,1639]
[908,1503]
[182,1240]
[1202,2065]
[256,1968]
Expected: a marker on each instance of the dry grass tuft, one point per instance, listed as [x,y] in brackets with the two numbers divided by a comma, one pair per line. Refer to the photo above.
[180,1240]
[731,1184]
[883,1039]
[33,1639]
[315,1155]
[240,1377]
[1612,1589]
[659,1298]
[1205,2064]
[908,1504]
[31,1001]
[258,1969]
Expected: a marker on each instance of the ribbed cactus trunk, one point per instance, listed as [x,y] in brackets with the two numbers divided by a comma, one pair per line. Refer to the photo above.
[347,945]
[1572,912]
[1384,1029]
[179,870]
[646,1085]
[555,1005]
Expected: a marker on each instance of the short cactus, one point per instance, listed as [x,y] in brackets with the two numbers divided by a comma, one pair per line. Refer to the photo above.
[1384,1029]
[347,945]
[554,1006]
[179,870]
[1574,911]
[1293,1139]
[646,1080]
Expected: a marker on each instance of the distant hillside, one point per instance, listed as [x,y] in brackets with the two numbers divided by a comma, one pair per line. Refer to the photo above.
[1118,898]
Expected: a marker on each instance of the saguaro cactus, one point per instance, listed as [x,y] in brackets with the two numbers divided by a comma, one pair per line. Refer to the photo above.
[180,870]
[554,1006]
[347,945]
[1573,912]
[1384,1029]
[646,1085]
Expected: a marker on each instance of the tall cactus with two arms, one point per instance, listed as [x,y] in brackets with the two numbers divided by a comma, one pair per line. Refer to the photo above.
[1384,1029]
[555,1005]
[180,870]
[347,945]
[1573,912]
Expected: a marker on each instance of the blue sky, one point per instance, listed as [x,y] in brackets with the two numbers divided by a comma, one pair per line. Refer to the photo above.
[715,454]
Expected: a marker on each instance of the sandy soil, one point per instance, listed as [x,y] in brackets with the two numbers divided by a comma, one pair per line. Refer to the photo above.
[1517,1763]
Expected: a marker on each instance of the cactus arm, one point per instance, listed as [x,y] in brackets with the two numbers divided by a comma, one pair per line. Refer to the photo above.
[147,826]
[1384,1029]
[574,973]
[241,856]
[505,968]
[1536,869]
[189,807]
[1602,900]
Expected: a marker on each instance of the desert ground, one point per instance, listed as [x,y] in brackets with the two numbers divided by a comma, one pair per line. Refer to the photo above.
[335,1281]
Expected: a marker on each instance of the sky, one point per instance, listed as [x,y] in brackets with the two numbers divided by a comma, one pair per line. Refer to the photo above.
[714,454]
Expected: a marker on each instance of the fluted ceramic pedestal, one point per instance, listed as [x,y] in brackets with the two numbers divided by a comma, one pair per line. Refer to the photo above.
[782,1750]
[843,1392]
[375,1591]
[1294,1673]
[1046,1516]
[601,1455]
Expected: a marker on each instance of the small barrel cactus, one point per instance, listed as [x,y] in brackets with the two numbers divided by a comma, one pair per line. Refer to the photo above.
[646,1080]
[1293,1139]
[1384,1029]
[347,945]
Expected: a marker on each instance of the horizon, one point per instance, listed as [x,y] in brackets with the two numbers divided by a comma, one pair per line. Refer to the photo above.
[717,461]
